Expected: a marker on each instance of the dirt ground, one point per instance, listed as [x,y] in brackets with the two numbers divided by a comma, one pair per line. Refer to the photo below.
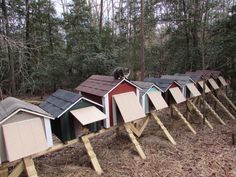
[210,153]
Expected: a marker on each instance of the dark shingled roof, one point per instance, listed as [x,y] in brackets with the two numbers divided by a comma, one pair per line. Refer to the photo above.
[162,83]
[59,101]
[10,105]
[205,73]
[144,86]
[182,80]
[98,85]
[194,76]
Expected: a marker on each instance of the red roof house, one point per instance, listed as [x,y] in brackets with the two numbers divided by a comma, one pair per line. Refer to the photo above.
[104,90]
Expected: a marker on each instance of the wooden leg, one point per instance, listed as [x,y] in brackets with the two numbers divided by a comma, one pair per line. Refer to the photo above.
[163,128]
[222,106]
[92,155]
[213,112]
[139,130]
[17,170]
[184,119]
[135,142]
[3,172]
[29,167]
[228,100]
[200,114]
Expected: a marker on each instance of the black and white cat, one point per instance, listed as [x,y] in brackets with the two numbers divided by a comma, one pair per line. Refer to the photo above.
[121,72]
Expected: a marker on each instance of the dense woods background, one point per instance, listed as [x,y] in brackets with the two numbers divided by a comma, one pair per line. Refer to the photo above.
[41,50]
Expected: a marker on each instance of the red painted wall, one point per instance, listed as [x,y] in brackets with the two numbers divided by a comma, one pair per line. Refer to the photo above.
[95,98]
[122,88]
[173,85]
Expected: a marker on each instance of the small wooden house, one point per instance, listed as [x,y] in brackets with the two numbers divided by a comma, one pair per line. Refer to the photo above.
[189,89]
[24,129]
[151,96]
[218,78]
[198,79]
[72,113]
[172,93]
[118,96]
[207,74]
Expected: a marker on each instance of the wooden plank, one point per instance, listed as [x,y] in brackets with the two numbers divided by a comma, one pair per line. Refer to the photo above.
[163,128]
[139,130]
[3,172]
[100,132]
[228,100]
[222,106]
[29,167]
[135,142]
[184,119]
[92,155]
[17,170]
[200,114]
[213,112]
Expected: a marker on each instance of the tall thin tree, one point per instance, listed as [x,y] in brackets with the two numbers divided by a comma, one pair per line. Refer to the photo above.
[9,50]
[142,61]
[101,16]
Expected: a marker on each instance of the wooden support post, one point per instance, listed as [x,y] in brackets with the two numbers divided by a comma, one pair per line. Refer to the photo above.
[3,172]
[222,106]
[29,167]
[163,128]
[213,112]
[190,103]
[184,119]
[133,139]
[228,100]
[17,170]
[92,155]
[139,130]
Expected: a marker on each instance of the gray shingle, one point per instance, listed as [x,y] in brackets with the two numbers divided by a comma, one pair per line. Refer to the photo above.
[182,80]
[10,105]
[162,83]
[143,85]
[59,101]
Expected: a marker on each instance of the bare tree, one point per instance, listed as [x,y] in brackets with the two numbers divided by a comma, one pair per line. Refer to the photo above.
[101,16]
[142,61]
[9,50]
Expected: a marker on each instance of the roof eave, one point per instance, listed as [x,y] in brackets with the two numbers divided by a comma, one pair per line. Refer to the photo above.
[27,111]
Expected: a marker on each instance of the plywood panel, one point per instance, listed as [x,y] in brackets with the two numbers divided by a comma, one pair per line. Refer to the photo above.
[222,80]
[24,138]
[129,106]
[157,100]
[207,90]
[213,84]
[177,95]
[88,115]
[194,91]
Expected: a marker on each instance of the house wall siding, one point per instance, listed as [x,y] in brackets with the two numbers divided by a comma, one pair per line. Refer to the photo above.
[122,88]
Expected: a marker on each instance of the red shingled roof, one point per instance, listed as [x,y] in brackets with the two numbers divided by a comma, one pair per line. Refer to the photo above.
[98,85]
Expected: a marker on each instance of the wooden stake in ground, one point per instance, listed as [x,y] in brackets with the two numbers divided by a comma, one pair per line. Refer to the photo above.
[222,106]
[190,103]
[139,130]
[229,101]
[213,112]
[17,170]
[92,155]
[163,128]
[29,167]
[133,139]
[26,164]
[180,115]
